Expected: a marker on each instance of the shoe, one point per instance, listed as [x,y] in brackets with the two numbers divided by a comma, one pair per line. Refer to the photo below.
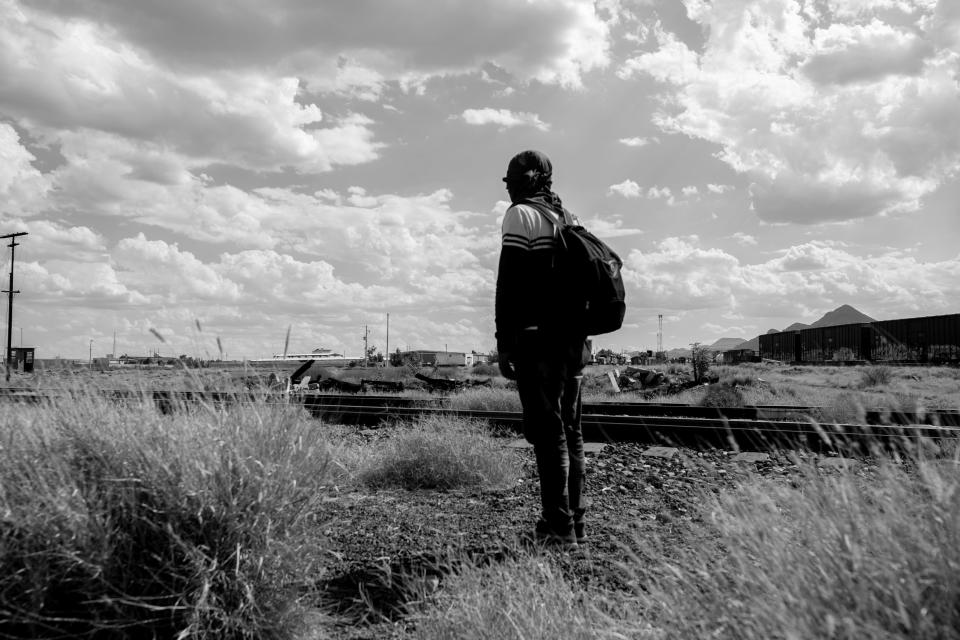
[579,533]
[543,535]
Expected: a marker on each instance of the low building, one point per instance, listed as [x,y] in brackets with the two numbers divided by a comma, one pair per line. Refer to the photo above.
[21,358]
[431,358]
[480,358]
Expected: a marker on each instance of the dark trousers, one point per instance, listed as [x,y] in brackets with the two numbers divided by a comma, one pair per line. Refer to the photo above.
[549,374]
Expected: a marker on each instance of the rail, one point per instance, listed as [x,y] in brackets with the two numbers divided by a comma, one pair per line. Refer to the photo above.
[772,426]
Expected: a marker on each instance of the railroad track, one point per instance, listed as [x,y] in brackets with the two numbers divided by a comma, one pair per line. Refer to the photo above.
[746,427]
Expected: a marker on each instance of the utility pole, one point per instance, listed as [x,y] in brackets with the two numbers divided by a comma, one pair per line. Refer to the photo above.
[13,243]
[91,353]
[388,340]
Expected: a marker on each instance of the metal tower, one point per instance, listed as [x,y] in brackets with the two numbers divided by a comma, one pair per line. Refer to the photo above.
[659,335]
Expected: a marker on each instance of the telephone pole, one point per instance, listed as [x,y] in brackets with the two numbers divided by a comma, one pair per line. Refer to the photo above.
[13,243]
[387,350]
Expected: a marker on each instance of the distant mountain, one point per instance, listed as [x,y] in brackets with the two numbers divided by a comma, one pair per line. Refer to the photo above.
[753,343]
[677,353]
[844,314]
[723,344]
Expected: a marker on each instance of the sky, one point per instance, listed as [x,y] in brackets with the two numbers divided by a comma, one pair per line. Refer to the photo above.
[217,174]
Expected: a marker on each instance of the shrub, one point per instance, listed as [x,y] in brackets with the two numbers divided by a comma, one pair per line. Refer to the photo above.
[844,408]
[120,522]
[722,395]
[699,361]
[876,376]
[484,369]
[735,378]
[441,452]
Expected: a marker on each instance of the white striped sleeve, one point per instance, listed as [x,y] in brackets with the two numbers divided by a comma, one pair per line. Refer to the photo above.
[526,227]
[516,233]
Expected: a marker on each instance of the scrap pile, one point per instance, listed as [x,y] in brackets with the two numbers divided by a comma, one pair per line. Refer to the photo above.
[449,384]
[656,382]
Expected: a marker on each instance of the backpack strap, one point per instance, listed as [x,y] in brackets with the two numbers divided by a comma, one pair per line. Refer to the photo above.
[559,222]
[561,214]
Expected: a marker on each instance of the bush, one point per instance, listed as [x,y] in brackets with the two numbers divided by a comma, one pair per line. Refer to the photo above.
[486,370]
[120,522]
[844,408]
[722,395]
[441,452]
[876,376]
[699,361]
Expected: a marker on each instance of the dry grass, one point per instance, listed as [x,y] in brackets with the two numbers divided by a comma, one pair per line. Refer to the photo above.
[121,522]
[526,598]
[832,555]
[440,453]
[843,556]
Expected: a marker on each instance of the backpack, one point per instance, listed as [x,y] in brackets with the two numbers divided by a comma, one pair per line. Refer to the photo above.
[594,296]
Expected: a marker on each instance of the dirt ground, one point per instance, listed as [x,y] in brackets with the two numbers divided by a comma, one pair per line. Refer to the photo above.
[377,539]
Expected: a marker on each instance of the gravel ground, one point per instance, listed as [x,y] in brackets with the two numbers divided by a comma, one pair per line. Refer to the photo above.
[376,538]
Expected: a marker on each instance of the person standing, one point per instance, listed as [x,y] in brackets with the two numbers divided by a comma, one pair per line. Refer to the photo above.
[539,348]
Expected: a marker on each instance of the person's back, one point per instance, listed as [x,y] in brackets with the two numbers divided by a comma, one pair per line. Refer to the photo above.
[537,348]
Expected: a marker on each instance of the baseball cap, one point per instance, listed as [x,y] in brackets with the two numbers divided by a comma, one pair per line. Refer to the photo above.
[528,163]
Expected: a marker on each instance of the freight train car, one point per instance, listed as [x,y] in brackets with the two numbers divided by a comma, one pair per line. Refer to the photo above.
[841,343]
[933,339]
[784,346]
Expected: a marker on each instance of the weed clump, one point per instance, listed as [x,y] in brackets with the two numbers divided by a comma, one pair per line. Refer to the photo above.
[722,395]
[876,376]
[120,522]
[441,453]
[485,369]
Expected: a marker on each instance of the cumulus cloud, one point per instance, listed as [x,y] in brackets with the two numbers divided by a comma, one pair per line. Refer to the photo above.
[661,193]
[833,115]
[362,43]
[680,274]
[80,284]
[638,142]
[22,186]
[848,53]
[627,189]
[745,239]
[604,228]
[503,118]
[57,77]
[719,188]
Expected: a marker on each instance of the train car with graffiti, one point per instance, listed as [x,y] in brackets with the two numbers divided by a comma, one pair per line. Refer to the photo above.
[928,339]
